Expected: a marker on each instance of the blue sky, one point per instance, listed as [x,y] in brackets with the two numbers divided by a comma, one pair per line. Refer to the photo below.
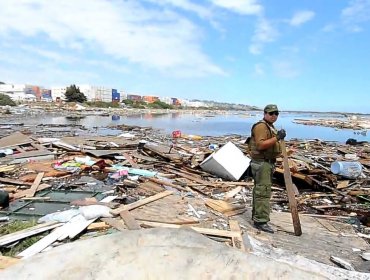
[302,55]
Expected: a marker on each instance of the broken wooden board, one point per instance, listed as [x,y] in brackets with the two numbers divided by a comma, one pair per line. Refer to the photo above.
[206,231]
[237,240]
[130,160]
[232,193]
[141,202]
[15,139]
[166,183]
[43,243]
[35,185]
[171,209]
[15,236]
[290,192]
[98,226]
[163,151]
[129,220]
[14,182]
[115,223]
[224,207]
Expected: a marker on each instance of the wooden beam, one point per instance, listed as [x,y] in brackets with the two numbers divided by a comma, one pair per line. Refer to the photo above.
[207,231]
[165,183]
[290,191]
[35,185]
[141,202]
[14,182]
[129,220]
[130,160]
[237,240]
[15,236]
[117,224]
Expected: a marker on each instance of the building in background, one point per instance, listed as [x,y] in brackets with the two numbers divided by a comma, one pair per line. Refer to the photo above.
[194,104]
[58,93]
[123,94]
[171,101]
[175,101]
[134,97]
[150,99]
[116,96]
[167,100]
[46,95]
[20,92]
[96,93]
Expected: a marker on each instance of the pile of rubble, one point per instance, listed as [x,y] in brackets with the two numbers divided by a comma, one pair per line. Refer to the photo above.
[87,185]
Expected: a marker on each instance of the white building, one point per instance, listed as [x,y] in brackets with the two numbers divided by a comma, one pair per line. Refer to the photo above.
[123,94]
[167,100]
[58,93]
[18,92]
[96,93]
[195,104]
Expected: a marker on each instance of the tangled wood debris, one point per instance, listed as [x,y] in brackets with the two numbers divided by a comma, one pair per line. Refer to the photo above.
[142,178]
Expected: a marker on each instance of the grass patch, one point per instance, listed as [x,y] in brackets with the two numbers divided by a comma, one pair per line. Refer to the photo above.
[12,251]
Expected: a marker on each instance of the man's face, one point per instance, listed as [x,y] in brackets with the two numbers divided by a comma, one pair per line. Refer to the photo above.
[271,117]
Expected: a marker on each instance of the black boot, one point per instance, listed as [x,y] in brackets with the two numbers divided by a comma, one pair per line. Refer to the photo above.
[264,227]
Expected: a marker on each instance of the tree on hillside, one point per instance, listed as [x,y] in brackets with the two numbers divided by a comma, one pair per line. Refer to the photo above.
[6,100]
[73,94]
[2,83]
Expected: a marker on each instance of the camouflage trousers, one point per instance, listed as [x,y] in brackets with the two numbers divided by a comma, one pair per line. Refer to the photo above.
[262,174]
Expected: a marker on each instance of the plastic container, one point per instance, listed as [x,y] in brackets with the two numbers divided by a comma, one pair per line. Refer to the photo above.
[348,169]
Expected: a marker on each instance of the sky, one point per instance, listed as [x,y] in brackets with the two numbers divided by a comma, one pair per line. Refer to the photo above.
[302,55]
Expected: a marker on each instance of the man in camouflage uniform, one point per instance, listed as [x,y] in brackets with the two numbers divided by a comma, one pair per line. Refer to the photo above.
[264,149]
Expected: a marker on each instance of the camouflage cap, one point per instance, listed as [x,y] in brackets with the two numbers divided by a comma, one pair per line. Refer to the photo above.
[271,108]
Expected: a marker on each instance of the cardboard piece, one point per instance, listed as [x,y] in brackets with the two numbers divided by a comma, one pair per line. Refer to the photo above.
[229,162]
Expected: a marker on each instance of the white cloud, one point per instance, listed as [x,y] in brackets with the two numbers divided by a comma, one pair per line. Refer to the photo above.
[301,17]
[244,7]
[356,14]
[124,30]
[285,69]
[329,28]
[187,5]
[259,70]
[264,33]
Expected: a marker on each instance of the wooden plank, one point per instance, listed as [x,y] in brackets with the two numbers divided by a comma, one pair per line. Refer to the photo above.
[206,231]
[15,139]
[130,160]
[15,236]
[233,192]
[237,240]
[35,185]
[342,184]
[176,222]
[141,202]
[6,262]
[19,149]
[192,178]
[14,182]
[327,225]
[117,224]
[223,206]
[129,220]
[43,243]
[290,191]
[166,183]
[36,198]
[98,226]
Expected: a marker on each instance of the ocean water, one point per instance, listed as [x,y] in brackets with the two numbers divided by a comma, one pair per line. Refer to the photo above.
[216,125]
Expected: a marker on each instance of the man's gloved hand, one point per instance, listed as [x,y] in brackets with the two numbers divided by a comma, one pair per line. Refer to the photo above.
[281,134]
